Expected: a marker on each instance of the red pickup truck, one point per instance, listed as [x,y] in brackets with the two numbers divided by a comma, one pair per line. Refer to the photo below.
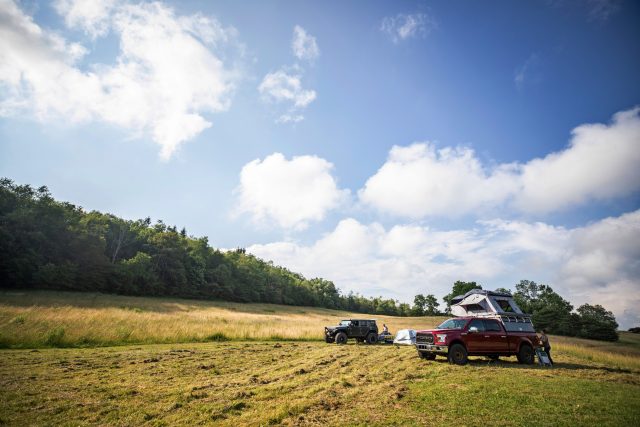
[497,336]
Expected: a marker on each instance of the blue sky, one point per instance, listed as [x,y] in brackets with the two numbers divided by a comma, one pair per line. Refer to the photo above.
[393,147]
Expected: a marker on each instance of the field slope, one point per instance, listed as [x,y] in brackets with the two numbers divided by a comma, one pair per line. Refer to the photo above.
[269,380]
[36,319]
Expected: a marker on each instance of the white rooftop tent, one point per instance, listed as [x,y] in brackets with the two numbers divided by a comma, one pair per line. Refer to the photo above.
[478,302]
[405,337]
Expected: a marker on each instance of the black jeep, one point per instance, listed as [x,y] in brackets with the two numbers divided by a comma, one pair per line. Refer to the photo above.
[361,330]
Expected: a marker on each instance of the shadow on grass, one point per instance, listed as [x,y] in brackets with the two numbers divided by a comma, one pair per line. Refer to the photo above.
[512,364]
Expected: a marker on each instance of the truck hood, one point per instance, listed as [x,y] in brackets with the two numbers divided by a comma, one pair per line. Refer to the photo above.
[334,328]
[436,331]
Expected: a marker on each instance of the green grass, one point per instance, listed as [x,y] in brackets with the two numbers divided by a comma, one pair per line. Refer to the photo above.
[279,374]
[298,383]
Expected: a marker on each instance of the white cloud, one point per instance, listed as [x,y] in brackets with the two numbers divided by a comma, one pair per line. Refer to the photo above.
[402,27]
[418,181]
[281,86]
[304,45]
[91,16]
[290,193]
[284,87]
[600,163]
[596,264]
[165,77]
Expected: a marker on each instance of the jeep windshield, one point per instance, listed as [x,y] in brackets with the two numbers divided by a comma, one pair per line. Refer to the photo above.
[452,324]
[345,322]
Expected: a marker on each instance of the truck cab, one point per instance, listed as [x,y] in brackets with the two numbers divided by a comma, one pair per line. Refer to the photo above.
[492,336]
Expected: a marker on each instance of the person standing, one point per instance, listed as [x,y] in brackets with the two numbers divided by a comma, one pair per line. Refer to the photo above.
[544,340]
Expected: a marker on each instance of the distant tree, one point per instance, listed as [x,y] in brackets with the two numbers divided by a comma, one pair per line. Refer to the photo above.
[635,330]
[503,290]
[459,288]
[597,323]
[419,305]
[431,306]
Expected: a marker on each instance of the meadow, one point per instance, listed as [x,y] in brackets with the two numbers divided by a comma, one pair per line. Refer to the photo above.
[264,379]
[37,319]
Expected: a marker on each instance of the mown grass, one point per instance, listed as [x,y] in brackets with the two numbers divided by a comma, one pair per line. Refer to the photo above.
[305,383]
[39,319]
[274,379]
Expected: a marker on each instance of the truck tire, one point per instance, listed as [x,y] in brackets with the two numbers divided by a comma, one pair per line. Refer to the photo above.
[457,355]
[341,338]
[372,338]
[526,355]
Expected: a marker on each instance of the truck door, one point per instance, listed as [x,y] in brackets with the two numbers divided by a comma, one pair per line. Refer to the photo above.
[495,337]
[475,336]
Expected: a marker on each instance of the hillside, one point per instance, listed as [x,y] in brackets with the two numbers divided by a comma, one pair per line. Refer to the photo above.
[35,319]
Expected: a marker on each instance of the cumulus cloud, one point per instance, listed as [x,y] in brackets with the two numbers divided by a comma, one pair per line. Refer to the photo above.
[304,45]
[600,163]
[166,75]
[418,181]
[289,193]
[596,264]
[402,27]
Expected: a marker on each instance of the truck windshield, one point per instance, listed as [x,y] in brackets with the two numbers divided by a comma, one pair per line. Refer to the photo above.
[452,324]
[345,322]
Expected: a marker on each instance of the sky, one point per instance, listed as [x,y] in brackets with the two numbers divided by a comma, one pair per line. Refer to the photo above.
[391,147]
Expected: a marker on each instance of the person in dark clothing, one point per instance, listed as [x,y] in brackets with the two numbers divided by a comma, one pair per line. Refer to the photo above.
[544,340]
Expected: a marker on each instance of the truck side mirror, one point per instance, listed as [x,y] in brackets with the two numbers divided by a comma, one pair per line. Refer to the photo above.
[473,330]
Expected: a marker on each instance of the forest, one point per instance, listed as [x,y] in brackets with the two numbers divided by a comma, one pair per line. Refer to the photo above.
[48,244]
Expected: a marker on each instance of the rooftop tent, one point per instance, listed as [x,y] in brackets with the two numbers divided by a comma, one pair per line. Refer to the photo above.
[478,302]
[405,337]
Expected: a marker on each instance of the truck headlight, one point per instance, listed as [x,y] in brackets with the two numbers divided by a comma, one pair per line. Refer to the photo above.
[441,337]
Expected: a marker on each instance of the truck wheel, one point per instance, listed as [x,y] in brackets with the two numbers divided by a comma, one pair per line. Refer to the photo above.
[457,354]
[525,355]
[372,338]
[341,338]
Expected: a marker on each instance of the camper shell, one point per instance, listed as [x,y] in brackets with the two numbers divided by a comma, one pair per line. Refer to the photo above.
[495,305]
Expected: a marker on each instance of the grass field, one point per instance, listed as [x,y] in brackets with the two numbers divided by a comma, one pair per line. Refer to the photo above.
[289,382]
[71,319]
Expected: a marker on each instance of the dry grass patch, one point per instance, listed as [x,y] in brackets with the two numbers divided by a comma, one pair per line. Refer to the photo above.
[56,319]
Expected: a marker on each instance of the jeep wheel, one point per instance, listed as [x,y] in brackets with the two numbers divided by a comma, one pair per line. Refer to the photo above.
[457,354]
[341,338]
[372,338]
[525,355]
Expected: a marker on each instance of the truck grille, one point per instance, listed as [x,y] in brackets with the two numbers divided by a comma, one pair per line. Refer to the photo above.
[428,338]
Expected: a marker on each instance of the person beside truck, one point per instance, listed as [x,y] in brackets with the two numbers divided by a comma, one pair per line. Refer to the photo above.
[544,341]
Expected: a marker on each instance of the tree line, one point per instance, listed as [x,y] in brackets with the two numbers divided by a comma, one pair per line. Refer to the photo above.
[48,244]
[553,313]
